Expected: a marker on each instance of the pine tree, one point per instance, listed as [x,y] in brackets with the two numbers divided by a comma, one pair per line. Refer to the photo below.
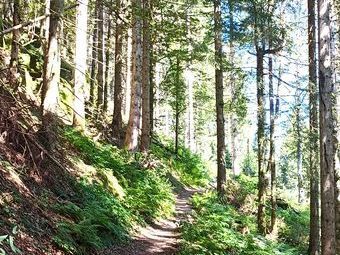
[51,76]
[221,149]
[80,66]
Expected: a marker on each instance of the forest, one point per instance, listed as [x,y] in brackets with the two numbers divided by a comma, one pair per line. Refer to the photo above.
[170,127]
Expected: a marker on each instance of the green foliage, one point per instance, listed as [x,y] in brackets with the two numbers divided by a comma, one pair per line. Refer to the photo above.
[295,230]
[228,163]
[219,228]
[109,201]
[9,239]
[96,220]
[189,166]
[249,164]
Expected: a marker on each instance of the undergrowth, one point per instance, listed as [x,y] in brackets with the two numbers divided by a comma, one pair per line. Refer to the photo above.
[188,166]
[229,229]
[114,191]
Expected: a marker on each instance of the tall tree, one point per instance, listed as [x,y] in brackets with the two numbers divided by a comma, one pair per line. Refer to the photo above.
[100,62]
[80,66]
[94,59]
[314,225]
[327,131]
[132,132]
[221,149]
[13,64]
[232,117]
[51,75]
[107,64]
[117,121]
[271,160]
[146,124]
[189,79]
[299,148]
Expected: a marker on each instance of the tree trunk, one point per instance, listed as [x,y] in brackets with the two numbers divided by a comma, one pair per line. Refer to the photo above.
[152,93]
[232,124]
[221,171]
[51,76]
[132,133]
[117,121]
[107,66]
[13,64]
[129,67]
[177,112]
[314,224]
[271,161]
[80,66]
[93,62]
[189,80]
[100,74]
[299,151]
[260,142]
[336,14]
[146,125]
[327,129]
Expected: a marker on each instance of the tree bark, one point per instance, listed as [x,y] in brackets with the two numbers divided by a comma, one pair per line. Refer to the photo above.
[80,67]
[314,224]
[107,66]
[327,131]
[271,161]
[299,150]
[260,141]
[221,171]
[51,76]
[189,80]
[146,124]
[93,62]
[336,15]
[100,74]
[177,111]
[117,121]
[232,126]
[132,133]
[13,64]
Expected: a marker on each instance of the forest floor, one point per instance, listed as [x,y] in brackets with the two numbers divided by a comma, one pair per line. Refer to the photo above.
[161,237]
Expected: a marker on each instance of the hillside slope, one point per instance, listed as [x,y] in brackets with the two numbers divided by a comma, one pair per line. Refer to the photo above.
[84,196]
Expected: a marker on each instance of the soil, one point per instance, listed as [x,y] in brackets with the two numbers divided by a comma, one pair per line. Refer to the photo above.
[162,237]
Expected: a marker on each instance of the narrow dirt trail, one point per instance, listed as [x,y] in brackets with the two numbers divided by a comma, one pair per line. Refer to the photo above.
[161,237]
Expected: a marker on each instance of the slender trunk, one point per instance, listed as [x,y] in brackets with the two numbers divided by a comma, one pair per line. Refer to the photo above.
[260,142]
[129,67]
[107,66]
[51,76]
[189,80]
[117,121]
[93,62]
[232,124]
[314,223]
[80,66]
[299,152]
[177,107]
[146,125]
[152,93]
[13,64]
[221,171]
[336,15]
[132,133]
[271,161]
[100,74]
[327,128]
